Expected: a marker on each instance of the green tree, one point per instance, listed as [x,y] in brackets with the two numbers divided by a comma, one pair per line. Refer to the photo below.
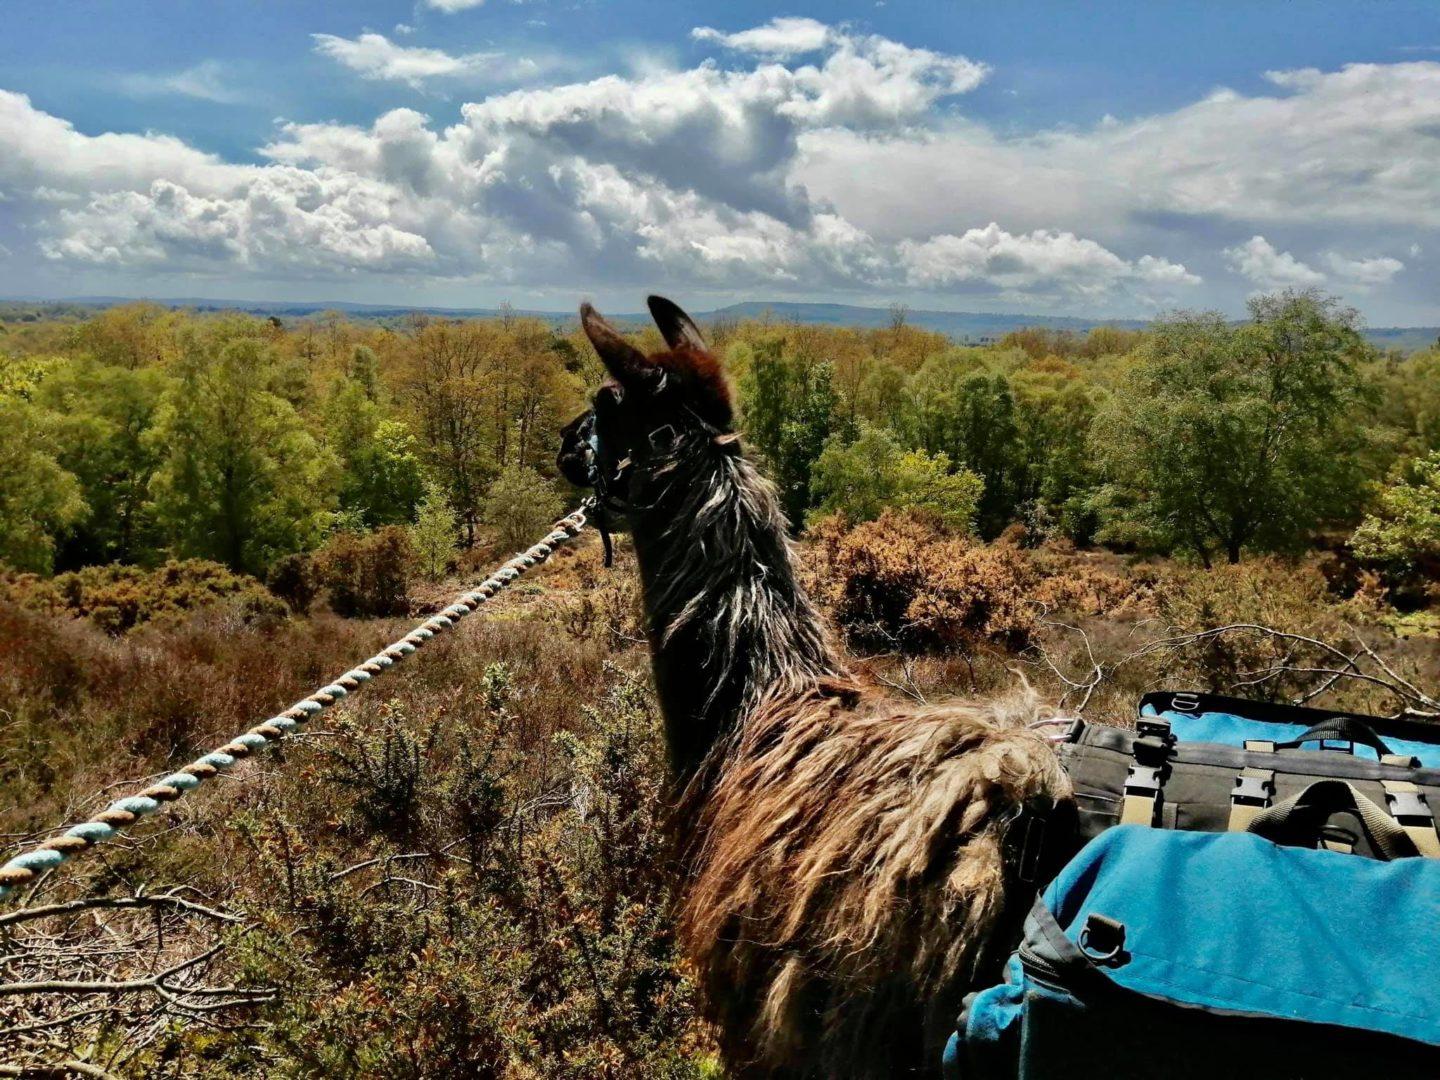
[1053,470]
[101,417]
[521,504]
[966,412]
[241,480]
[790,409]
[382,475]
[451,393]
[1410,403]
[1405,525]
[39,500]
[1228,437]
[863,478]
[435,531]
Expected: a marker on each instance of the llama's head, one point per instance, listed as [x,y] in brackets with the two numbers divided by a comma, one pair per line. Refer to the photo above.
[648,405]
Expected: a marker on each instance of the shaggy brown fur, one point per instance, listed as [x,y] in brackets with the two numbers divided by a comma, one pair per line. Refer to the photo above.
[846,855]
[852,872]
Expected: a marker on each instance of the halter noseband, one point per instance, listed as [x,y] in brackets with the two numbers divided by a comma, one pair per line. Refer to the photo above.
[609,482]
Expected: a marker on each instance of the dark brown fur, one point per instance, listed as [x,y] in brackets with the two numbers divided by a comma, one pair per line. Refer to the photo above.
[845,853]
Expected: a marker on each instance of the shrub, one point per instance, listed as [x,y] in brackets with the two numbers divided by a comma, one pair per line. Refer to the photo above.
[902,580]
[521,505]
[292,579]
[118,598]
[367,574]
[873,473]
[1403,533]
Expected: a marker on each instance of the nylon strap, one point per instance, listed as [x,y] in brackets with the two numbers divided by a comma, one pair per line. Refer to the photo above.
[1389,838]
[1412,813]
[1254,789]
[1139,810]
[1404,761]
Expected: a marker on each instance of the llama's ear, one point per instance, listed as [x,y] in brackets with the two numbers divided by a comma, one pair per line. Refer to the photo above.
[677,328]
[624,361]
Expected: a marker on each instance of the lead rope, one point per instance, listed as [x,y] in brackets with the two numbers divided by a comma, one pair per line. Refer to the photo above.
[28,865]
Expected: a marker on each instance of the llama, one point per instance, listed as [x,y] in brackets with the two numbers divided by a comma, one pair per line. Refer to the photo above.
[843,854]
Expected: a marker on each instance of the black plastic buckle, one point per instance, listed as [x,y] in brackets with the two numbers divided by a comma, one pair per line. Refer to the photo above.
[1143,780]
[1409,805]
[1154,727]
[1150,750]
[1252,791]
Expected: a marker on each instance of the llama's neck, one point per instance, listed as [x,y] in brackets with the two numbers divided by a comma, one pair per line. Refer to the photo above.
[728,622]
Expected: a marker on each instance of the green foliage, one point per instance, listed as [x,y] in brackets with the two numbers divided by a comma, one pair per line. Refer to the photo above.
[101,422]
[1233,437]
[383,477]
[433,534]
[385,766]
[790,407]
[1404,527]
[862,479]
[1410,405]
[241,480]
[969,415]
[39,500]
[521,505]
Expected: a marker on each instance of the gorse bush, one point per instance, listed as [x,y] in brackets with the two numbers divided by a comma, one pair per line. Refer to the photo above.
[118,598]
[367,574]
[902,581]
[519,931]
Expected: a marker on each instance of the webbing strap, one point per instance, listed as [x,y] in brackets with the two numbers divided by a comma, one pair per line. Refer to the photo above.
[1142,795]
[1254,788]
[1405,761]
[1139,809]
[1260,746]
[1412,813]
[1384,832]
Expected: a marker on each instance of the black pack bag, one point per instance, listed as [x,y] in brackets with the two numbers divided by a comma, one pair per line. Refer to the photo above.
[1299,776]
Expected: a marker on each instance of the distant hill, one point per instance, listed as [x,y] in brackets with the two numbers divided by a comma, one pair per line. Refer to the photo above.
[963,326]
[960,325]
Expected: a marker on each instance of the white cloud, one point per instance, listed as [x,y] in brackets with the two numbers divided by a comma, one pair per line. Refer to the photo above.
[1355,148]
[804,157]
[1258,260]
[449,7]
[404,28]
[205,81]
[781,37]
[1365,272]
[1050,260]
[374,56]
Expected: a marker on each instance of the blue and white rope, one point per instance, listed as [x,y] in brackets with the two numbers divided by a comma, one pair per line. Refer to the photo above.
[26,866]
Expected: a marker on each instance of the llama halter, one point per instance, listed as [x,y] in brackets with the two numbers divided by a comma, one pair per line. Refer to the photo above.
[27,866]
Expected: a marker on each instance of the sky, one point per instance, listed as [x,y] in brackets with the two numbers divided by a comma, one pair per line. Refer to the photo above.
[1096,159]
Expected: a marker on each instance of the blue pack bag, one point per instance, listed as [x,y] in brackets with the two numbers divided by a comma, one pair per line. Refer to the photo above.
[1170,954]
[1213,718]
